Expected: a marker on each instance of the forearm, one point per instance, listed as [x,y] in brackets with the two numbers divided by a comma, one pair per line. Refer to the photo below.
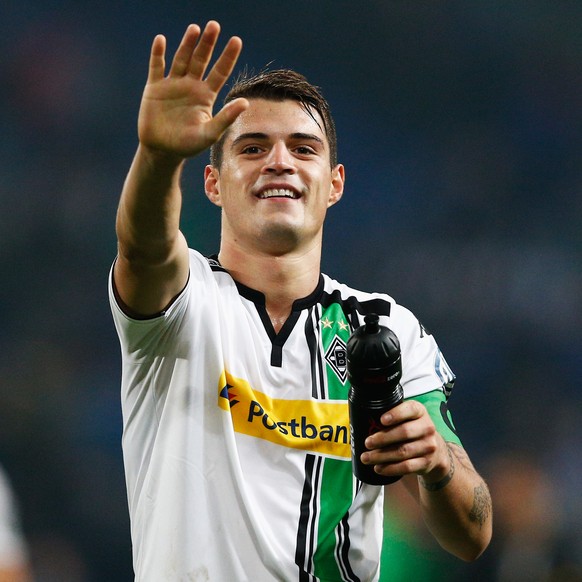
[457,507]
[148,217]
[152,264]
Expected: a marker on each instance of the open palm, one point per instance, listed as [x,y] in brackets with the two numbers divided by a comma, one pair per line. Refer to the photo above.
[176,113]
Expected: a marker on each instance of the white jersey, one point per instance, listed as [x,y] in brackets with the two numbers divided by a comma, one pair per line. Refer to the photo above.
[236,440]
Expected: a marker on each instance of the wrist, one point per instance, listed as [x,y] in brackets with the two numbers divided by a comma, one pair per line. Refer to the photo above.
[436,482]
[159,159]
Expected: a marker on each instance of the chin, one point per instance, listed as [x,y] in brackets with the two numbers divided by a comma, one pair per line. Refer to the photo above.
[280,238]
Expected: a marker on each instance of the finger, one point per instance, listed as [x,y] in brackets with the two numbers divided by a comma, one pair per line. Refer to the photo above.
[395,467]
[226,116]
[407,410]
[183,56]
[404,432]
[407,457]
[415,465]
[203,51]
[157,59]
[224,64]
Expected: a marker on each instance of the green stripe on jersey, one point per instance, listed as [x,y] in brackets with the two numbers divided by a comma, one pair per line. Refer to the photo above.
[336,493]
[335,500]
[335,332]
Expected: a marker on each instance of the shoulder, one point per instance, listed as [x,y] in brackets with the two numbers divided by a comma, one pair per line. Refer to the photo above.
[343,291]
[365,302]
[357,304]
[199,287]
[424,368]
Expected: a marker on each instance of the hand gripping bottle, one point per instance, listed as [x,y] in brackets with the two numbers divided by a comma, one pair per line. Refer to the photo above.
[374,371]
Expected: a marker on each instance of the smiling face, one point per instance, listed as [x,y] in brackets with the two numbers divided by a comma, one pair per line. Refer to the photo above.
[275,182]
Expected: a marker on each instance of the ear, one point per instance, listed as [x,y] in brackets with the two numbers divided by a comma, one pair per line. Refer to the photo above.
[338,178]
[211,185]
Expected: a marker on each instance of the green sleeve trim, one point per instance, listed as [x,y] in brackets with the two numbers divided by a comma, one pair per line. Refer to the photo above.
[436,404]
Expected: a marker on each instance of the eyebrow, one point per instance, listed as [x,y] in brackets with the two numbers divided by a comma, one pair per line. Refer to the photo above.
[263,136]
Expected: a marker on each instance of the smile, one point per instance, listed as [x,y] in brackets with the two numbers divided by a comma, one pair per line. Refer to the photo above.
[278,193]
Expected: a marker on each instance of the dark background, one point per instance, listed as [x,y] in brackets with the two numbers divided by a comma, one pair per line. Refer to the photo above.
[460,127]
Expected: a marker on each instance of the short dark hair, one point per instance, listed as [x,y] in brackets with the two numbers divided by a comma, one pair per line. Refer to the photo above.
[281,85]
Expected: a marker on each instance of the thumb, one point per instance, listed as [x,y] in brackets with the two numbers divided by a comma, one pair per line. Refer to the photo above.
[226,116]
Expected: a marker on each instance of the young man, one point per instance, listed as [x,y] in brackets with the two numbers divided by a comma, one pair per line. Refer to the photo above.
[236,439]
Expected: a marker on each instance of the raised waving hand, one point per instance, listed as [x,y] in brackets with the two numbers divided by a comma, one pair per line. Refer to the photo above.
[176,113]
[175,122]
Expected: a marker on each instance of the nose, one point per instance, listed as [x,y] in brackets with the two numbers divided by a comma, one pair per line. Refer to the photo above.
[279,161]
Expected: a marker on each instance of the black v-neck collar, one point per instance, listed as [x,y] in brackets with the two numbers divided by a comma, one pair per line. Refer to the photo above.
[258,298]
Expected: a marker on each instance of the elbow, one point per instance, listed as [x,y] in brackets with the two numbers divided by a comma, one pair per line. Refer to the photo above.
[474,545]
[472,554]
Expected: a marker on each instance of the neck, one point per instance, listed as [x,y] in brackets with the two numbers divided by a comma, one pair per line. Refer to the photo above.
[282,279]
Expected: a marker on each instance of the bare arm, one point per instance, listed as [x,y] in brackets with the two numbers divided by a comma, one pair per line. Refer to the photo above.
[175,123]
[454,499]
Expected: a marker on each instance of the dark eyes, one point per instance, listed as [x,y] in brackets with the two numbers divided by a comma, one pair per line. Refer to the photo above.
[251,150]
[299,150]
[304,150]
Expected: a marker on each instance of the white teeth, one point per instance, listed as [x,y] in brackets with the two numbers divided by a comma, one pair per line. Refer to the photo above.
[278,193]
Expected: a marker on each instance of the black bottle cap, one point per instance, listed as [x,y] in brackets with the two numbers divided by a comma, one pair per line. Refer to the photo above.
[372,323]
[373,353]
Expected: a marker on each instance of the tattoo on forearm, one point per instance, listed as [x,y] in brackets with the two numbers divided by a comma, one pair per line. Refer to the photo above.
[481,505]
[462,457]
[446,479]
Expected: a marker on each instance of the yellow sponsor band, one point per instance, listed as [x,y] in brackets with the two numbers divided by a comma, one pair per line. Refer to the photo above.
[320,426]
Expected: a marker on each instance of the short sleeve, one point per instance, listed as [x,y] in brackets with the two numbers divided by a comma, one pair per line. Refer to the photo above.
[435,403]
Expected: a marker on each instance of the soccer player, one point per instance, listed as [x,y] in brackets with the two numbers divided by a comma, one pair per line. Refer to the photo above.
[236,439]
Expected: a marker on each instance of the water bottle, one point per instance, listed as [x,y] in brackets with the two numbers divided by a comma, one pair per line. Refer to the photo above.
[374,371]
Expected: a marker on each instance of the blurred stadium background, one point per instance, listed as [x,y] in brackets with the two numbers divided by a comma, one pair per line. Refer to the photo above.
[460,127]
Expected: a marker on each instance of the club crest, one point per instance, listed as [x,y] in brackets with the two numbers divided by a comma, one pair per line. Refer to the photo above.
[336,357]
